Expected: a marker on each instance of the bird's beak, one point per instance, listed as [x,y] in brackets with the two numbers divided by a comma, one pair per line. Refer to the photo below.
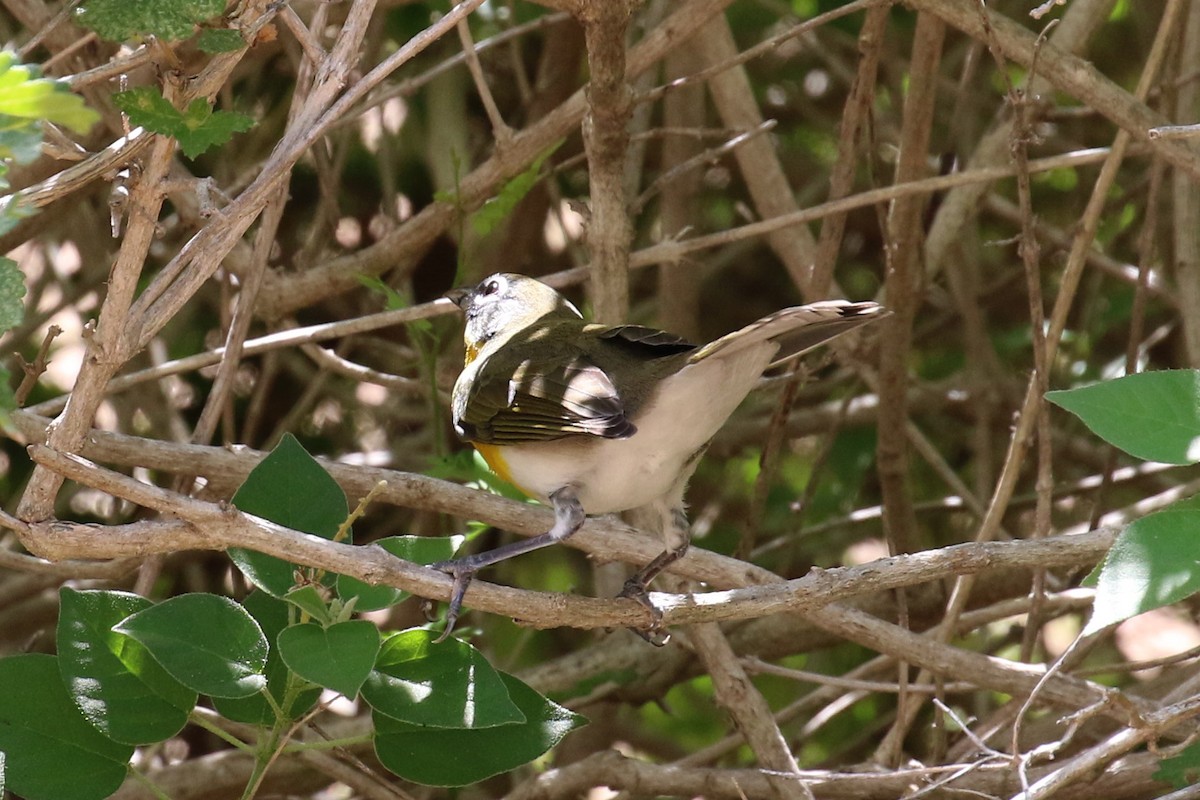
[458,297]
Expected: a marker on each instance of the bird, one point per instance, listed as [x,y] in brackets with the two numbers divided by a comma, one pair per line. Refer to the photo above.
[595,419]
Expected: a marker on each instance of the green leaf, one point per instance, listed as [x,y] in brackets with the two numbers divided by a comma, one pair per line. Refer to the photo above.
[27,96]
[1152,415]
[1151,564]
[1181,770]
[440,757]
[204,128]
[438,684]
[196,129]
[113,679]
[494,211]
[119,20]
[51,752]
[149,109]
[417,549]
[289,488]
[207,642]
[271,614]
[8,400]
[308,598]
[220,40]
[12,292]
[392,299]
[23,145]
[338,657]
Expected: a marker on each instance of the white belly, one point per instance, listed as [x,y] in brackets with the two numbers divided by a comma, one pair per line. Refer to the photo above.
[612,475]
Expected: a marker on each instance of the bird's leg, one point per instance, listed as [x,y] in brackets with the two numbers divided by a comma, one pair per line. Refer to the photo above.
[568,518]
[676,536]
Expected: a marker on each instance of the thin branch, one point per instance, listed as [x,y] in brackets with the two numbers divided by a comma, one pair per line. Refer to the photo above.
[202,525]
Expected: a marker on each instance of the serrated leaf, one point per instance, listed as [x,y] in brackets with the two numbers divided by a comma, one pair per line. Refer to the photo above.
[338,657]
[437,684]
[119,20]
[1152,415]
[1151,564]
[220,40]
[289,488]
[442,757]
[207,642]
[12,294]
[150,110]
[51,752]
[271,614]
[117,685]
[196,129]
[417,549]
[204,128]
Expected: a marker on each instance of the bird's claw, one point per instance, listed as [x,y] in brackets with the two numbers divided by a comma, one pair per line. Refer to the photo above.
[635,589]
[462,575]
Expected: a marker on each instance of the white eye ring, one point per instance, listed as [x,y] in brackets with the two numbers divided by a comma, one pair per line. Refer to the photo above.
[491,286]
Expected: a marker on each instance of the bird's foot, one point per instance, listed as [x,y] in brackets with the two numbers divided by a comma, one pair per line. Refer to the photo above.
[635,589]
[462,571]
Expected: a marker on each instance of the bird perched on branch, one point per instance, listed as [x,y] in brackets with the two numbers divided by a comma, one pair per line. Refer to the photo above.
[595,419]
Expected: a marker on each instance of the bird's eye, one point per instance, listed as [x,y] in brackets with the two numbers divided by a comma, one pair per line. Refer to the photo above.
[491,287]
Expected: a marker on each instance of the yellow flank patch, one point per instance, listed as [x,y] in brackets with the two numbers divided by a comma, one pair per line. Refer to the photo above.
[495,460]
[471,354]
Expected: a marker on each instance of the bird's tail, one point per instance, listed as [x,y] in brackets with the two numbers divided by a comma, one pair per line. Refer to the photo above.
[796,330]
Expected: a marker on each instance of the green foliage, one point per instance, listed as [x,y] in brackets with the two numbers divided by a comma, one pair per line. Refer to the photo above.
[1152,415]
[338,657]
[458,757]
[290,488]
[118,686]
[438,684]
[1181,770]
[51,752]
[220,40]
[208,643]
[1155,416]
[280,700]
[12,311]
[1061,179]
[392,299]
[497,208]
[12,292]
[1152,564]
[129,671]
[197,128]
[26,97]
[119,20]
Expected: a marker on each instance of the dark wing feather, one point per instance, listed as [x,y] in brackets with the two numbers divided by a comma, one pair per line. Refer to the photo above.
[649,342]
[543,397]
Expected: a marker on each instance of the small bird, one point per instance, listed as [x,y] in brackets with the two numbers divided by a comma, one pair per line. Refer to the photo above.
[595,419]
